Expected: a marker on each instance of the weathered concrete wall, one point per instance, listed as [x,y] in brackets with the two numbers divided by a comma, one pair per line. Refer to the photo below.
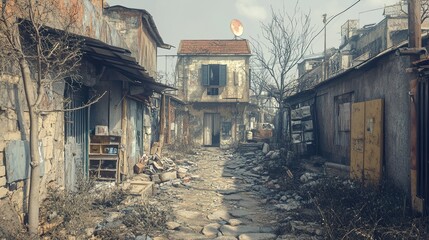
[373,41]
[129,24]
[383,78]
[380,38]
[192,90]
[92,23]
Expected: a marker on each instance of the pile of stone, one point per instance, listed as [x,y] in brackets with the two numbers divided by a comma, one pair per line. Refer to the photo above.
[164,170]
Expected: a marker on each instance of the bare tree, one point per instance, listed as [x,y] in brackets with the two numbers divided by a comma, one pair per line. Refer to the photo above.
[36,41]
[424,5]
[285,39]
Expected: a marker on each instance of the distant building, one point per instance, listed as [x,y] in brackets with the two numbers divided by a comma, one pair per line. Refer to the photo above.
[213,80]
[358,44]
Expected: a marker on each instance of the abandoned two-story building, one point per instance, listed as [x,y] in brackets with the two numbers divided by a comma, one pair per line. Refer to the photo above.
[119,47]
[213,80]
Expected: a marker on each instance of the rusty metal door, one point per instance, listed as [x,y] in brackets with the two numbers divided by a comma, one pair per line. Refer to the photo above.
[366,152]
[76,138]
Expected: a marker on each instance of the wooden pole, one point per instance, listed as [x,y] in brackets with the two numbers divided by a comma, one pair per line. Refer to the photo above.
[414,26]
[123,163]
[414,41]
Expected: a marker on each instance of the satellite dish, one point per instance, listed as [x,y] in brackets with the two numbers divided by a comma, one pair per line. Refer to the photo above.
[236,27]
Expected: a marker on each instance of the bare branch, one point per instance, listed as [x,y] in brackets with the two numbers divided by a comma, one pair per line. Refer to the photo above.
[284,41]
[88,104]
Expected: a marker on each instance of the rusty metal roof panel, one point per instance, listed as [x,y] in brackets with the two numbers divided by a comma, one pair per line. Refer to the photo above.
[120,60]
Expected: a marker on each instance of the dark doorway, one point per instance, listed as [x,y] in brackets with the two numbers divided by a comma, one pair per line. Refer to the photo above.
[211,129]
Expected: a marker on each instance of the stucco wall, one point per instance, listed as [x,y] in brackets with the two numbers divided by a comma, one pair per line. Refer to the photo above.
[384,78]
[129,24]
[233,113]
[190,79]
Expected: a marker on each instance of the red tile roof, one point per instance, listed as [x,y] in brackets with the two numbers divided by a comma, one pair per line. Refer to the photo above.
[214,47]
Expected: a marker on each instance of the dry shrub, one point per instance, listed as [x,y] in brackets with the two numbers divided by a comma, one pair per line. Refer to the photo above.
[137,220]
[354,211]
[77,210]
[110,198]
[71,208]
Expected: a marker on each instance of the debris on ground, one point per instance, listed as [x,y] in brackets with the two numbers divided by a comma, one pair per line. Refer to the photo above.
[253,192]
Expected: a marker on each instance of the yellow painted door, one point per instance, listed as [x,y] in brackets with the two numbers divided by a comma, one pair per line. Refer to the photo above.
[366,152]
[357,140]
[373,154]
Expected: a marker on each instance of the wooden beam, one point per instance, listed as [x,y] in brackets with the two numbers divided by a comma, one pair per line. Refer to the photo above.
[124,122]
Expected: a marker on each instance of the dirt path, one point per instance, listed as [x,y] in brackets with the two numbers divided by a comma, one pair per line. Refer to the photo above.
[217,203]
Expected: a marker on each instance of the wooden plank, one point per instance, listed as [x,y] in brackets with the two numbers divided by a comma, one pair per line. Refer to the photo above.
[123,163]
[373,154]
[357,141]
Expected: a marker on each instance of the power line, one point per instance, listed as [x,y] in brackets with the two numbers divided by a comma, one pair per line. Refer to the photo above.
[330,19]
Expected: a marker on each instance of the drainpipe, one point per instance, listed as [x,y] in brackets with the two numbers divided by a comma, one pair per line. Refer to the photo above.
[414,42]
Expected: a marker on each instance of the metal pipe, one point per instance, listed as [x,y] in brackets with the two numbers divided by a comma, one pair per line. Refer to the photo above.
[341,167]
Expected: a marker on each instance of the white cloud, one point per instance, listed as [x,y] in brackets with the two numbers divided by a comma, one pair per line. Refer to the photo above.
[251,9]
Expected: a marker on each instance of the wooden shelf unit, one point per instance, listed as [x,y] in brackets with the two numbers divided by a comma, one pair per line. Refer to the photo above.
[104,158]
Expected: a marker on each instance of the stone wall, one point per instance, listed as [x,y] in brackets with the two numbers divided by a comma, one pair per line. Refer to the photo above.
[14,122]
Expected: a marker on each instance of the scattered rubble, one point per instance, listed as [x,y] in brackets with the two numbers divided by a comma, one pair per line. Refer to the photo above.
[252,193]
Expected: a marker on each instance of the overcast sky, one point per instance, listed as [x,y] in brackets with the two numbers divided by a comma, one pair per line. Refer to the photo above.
[210,19]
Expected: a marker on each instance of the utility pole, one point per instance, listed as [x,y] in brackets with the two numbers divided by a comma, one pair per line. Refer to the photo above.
[325,58]
[414,42]
[414,26]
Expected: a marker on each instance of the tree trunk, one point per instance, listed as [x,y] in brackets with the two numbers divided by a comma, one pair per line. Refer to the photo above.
[280,130]
[33,199]
[34,204]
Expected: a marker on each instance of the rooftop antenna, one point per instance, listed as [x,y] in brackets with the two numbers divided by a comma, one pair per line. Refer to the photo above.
[236,28]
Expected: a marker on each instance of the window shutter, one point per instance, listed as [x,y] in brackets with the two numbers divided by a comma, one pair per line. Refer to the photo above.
[205,75]
[222,75]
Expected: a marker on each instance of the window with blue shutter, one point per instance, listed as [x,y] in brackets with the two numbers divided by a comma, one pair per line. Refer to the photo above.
[222,75]
[205,75]
[213,76]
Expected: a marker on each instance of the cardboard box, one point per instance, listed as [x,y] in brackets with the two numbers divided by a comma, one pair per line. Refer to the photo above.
[101,130]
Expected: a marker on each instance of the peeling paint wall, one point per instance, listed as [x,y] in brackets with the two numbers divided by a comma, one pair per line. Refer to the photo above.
[190,79]
[129,24]
[235,114]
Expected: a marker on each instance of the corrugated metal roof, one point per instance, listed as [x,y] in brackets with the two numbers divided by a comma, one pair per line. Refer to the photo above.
[214,47]
[121,60]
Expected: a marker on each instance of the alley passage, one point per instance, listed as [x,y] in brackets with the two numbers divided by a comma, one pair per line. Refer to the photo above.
[224,199]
